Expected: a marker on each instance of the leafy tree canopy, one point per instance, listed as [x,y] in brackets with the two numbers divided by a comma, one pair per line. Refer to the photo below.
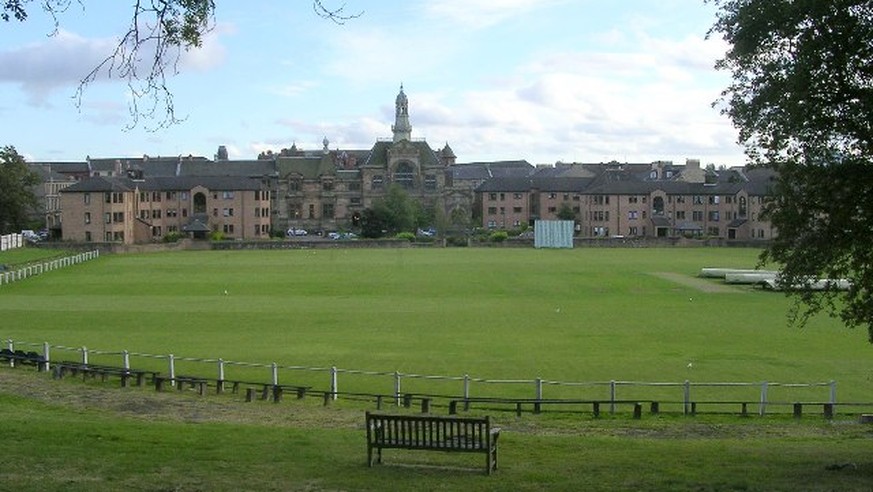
[149,51]
[802,99]
[17,199]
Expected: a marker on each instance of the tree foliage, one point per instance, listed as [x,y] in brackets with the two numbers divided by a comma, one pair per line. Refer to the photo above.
[17,199]
[148,53]
[394,213]
[565,212]
[801,98]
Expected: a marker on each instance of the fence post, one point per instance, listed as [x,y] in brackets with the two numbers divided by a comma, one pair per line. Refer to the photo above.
[762,408]
[84,355]
[46,354]
[275,375]
[11,346]
[219,385]
[125,360]
[172,362]
[612,396]
[833,401]
[466,386]
[687,397]
[397,388]
[333,383]
[539,394]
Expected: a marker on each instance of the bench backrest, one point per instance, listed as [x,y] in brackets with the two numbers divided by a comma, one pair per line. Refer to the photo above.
[429,432]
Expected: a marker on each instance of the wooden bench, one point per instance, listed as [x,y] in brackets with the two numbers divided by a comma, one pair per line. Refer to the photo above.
[194,382]
[20,357]
[432,433]
[60,369]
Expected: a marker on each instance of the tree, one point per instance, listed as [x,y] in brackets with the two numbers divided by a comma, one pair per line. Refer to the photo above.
[395,212]
[17,199]
[565,212]
[801,98]
[158,32]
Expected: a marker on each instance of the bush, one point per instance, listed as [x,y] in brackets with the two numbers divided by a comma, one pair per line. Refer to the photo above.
[457,241]
[406,235]
[498,236]
[172,237]
[216,236]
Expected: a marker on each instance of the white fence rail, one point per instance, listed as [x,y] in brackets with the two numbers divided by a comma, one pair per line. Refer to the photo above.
[46,266]
[337,381]
[11,241]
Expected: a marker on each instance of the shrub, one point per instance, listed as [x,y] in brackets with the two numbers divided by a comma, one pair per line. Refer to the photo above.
[457,241]
[216,236]
[406,235]
[498,236]
[172,237]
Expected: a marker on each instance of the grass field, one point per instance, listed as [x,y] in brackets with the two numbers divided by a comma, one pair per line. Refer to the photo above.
[580,315]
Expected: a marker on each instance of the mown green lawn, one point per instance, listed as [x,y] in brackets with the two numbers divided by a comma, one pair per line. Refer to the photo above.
[506,314]
[581,315]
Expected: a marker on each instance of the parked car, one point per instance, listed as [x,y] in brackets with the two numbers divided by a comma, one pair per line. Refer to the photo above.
[296,232]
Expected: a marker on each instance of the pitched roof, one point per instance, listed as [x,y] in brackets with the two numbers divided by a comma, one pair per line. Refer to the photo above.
[164,183]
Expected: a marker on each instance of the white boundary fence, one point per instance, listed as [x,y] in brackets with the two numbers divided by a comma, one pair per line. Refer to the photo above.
[46,266]
[396,384]
[11,241]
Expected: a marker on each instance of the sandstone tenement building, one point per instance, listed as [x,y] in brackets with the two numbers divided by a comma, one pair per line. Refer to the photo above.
[134,200]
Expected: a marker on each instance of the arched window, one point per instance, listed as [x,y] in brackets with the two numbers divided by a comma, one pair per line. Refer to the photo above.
[658,205]
[742,206]
[199,203]
[404,175]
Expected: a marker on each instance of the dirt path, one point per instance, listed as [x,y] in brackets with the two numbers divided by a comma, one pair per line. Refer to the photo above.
[709,286]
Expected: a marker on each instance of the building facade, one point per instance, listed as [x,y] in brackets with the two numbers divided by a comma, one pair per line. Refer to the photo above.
[635,200]
[136,209]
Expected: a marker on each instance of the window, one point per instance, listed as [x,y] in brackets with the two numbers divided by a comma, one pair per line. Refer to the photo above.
[87,198]
[632,231]
[553,210]
[697,216]
[156,196]
[516,210]
[294,184]
[156,231]
[107,197]
[502,196]
[680,199]
[227,212]
[492,210]
[215,212]
[697,200]
[356,200]
[712,231]
[88,236]
[227,195]
[632,215]
[327,210]
[107,218]
[492,196]
[517,196]
[171,195]
[552,196]
[184,195]
[184,212]
[713,199]
[311,211]
[713,215]
[430,182]
[172,212]
[404,175]
[87,217]
[327,185]
[156,214]
[492,224]
[228,228]
[355,186]
[377,182]
[632,199]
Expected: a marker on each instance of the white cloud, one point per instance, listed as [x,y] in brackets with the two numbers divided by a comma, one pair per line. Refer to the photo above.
[480,14]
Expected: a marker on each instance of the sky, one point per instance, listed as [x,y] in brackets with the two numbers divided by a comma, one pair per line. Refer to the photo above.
[538,80]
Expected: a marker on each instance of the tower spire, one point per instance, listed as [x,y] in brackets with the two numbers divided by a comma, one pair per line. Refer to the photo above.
[401,127]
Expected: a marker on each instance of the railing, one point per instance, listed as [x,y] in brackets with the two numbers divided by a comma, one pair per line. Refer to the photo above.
[334,382]
[46,266]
